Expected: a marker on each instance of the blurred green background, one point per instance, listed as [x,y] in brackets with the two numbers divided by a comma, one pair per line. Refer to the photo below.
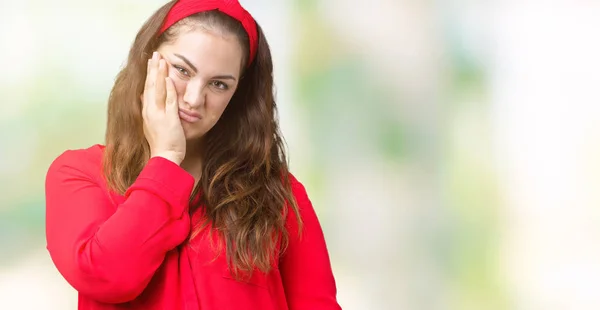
[450,147]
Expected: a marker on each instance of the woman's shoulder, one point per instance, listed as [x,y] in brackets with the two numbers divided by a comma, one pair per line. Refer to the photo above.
[87,160]
[309,221]
[298,188]
[300,194]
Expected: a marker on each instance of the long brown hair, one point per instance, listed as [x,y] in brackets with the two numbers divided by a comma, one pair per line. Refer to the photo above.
[245,187]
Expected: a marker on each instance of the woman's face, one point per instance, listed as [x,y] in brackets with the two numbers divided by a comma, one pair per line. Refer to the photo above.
[205,67]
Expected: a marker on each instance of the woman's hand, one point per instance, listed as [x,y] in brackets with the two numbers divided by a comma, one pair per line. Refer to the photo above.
[160,111]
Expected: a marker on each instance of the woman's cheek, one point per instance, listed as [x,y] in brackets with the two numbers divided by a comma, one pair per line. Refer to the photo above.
[179,86]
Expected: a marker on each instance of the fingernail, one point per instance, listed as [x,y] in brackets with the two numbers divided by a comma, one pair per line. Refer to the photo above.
[155,55]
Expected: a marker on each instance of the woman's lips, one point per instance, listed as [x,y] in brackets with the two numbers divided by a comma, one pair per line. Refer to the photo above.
[188,116]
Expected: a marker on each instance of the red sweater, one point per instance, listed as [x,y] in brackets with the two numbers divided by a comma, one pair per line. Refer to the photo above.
[130,252]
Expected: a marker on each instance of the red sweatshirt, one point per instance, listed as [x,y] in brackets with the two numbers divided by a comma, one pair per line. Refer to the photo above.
[130,252]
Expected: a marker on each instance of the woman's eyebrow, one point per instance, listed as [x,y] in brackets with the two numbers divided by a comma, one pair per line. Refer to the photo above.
[189,63]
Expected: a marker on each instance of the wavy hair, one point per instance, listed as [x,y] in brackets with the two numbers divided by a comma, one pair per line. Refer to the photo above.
[246,191]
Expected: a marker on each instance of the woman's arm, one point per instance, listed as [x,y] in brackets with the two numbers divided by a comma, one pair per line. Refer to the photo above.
[106,254]
[305,267]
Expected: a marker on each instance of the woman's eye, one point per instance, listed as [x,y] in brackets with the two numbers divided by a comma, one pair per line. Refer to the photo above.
[181,70]
[220,85]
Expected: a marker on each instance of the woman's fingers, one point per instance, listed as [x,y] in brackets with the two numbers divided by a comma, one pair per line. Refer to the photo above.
[171,106]
[159,90]
[159,84]
[148,86]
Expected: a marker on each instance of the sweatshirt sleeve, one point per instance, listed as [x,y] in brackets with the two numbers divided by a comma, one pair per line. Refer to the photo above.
[305,267]
[109,253]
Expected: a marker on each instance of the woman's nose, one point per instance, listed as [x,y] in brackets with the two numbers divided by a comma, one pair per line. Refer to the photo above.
[194,94]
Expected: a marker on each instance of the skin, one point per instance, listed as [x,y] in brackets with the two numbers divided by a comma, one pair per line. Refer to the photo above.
[189,84]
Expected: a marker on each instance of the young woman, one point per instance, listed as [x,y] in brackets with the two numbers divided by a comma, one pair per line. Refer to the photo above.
[190,204]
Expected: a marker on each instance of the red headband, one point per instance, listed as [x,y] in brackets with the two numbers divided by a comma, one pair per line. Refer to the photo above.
[185,8]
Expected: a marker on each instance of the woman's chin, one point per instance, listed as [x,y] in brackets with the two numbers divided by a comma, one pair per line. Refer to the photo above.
[192,135]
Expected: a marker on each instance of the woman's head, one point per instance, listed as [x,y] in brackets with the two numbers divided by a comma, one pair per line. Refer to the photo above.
[206,54]
[223,77]
[215,63]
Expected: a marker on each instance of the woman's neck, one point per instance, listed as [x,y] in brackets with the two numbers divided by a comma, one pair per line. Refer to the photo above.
[192,163]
